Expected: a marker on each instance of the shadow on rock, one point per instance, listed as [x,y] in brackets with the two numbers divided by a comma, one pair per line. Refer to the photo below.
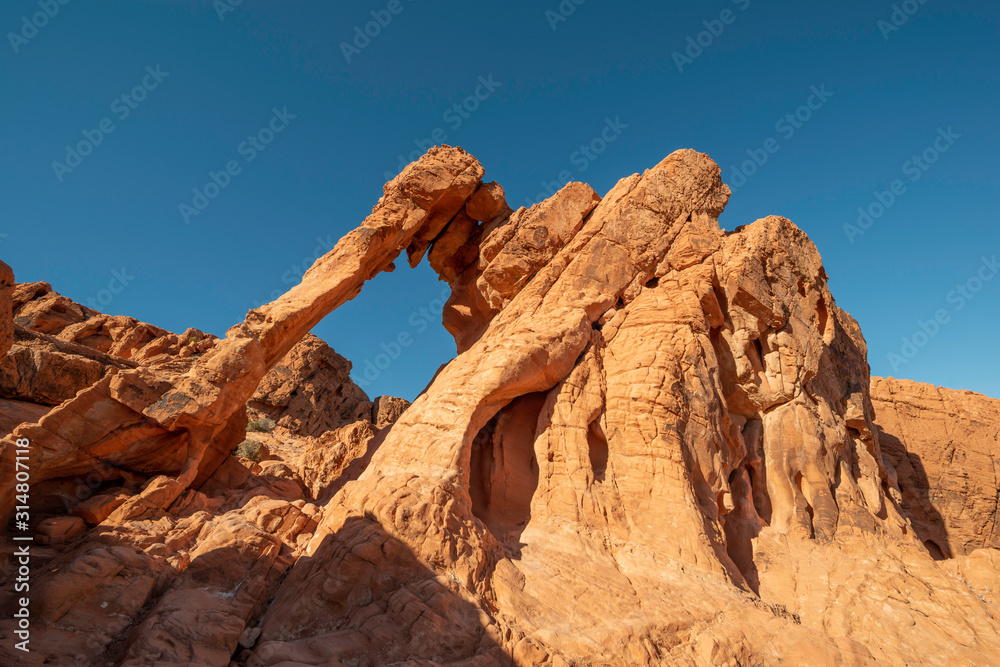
[916,489]
[363,598]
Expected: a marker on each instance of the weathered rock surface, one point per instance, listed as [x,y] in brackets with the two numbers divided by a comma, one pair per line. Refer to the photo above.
[15,413]
[60,347]
[333,458]
[945,448]
[386,410]
[657,445]
[310,391]
[39,309]
[6,308]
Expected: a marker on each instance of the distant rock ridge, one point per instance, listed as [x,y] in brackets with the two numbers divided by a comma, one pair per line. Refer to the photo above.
[659,444]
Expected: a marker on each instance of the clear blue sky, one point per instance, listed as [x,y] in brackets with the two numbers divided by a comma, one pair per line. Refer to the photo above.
[221,78]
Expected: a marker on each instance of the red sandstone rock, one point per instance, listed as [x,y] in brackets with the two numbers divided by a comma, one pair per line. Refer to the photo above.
[15,413]
[486,203]
[97,509]
[59,529]
[327,459]
[42,369]
[310,391]
[512,248]
[191,409]
[39,309]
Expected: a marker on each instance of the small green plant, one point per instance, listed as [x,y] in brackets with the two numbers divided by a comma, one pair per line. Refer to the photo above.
[974,589]
[265,425]
[251,449]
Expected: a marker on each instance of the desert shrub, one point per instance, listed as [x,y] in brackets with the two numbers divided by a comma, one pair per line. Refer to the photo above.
[265,425]
[254,450]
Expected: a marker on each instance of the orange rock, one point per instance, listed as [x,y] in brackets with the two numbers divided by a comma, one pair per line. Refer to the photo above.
[710,441]
[511,250]
[486,203]
[39,309]
[59,530]
[310,391]
[327,459]
[42,369]
[230,474]
[456,248]
[386,410]
[15,413]
[945,448]
[98,508]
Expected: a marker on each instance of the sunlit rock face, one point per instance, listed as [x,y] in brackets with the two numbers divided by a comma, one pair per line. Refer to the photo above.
[658,444]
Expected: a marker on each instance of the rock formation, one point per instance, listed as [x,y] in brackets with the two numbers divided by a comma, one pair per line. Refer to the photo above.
[60,348]
[659,444]
[310,391]
[6,308]
[945,448]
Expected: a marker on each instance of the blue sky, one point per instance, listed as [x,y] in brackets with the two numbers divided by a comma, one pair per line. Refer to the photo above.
[218,73]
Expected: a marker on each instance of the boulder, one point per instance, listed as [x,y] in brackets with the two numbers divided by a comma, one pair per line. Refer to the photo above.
[59,529]
[386,410]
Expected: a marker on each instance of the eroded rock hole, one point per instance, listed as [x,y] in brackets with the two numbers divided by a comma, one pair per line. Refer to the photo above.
[823,315]
[598,444]
[504,472]
[741,526]
[799,483]
[753,436]
[937,553]
[481,470]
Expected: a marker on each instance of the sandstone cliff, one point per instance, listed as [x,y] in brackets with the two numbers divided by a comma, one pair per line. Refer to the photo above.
[659,444]
[945,448]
